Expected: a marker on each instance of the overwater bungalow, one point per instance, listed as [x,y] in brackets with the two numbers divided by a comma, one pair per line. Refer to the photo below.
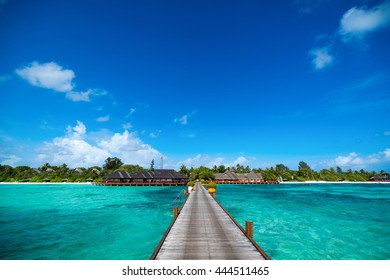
[147,177]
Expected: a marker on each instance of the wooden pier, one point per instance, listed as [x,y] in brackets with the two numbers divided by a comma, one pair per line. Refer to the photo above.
[204,230]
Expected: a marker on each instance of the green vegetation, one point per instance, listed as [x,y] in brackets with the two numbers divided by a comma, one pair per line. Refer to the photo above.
[304,173]
[48,173]
[112,163]
[212,185]
[191,184]
[62,173]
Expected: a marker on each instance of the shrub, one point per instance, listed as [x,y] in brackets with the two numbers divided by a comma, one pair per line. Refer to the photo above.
[212,185]
[191,183]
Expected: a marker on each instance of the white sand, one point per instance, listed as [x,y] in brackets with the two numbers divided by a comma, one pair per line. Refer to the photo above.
[325,182]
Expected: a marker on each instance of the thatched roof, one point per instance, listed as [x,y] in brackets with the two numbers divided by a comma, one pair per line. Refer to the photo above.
[146,174]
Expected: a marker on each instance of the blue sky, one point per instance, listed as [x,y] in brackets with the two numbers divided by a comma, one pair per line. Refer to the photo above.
[197,82]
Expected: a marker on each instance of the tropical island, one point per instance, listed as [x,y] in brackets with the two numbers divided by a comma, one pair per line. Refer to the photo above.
[65,174]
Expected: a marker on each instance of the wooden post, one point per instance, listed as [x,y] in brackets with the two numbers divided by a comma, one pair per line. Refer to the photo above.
[175,211]
[249,229]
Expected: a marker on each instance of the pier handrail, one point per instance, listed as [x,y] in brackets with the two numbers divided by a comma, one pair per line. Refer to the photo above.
[237,245]
[178,197]
[159,245]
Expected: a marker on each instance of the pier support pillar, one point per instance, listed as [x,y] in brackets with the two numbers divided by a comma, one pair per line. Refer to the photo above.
[249,229]
[175,211]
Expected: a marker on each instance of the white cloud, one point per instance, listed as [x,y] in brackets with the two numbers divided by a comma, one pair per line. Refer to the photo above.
[127,126]
[77,132]
[53,76]
[321,58]
[202,160]
[184,119]
[11,160]
[208,161]
[84,95]
[77,148]
[131,112]
[354,160]
[357,22]
[349,160]
[386,154]
[103,119]
[155,134]
[386,133]
[72,149]
[241,160]
[129,148]
[48,75]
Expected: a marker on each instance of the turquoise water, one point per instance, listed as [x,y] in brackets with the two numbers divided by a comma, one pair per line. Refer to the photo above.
[314,221]
[290,221]
[83,221]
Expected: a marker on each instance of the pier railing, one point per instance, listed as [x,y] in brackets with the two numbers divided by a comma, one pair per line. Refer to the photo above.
[227,242]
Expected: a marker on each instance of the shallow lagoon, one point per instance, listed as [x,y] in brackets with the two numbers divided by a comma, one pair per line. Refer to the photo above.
[290,221]
[83,221]
[319,221]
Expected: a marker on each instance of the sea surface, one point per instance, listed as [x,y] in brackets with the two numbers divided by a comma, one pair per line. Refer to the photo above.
[83,222]
[314,222]
[86,222]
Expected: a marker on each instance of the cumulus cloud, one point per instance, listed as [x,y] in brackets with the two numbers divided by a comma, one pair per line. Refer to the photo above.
[184,119]
[350,160]
[386,154]
[76,148]
[357,22]
[48,75]
[103,119]
[321,58]
[52,76]
[354,160]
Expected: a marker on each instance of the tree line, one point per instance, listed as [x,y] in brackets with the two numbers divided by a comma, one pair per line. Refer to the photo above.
[62,173]
[281,171]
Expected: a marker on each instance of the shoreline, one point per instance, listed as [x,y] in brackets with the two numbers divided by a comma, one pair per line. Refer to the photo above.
[281,183]
[326,182]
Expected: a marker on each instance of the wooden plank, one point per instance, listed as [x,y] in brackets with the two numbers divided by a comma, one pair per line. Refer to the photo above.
[203,230]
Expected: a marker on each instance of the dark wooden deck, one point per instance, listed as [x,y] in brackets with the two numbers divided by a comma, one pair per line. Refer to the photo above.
[204,230]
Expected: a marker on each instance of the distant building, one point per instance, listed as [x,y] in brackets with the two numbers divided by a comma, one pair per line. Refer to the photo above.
[380,179]
[160,176]
[78,171]
[232,177]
